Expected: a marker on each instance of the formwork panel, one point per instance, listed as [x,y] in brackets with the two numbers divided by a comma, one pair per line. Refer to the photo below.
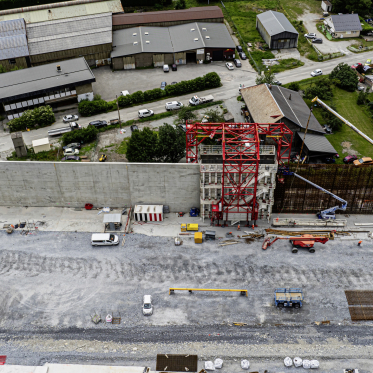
[176,363]
[361,313]
[359,297]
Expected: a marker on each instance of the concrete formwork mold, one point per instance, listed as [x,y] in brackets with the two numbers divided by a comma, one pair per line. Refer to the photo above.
[109,184]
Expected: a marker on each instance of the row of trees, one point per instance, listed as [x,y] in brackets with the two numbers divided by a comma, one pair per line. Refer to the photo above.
[39,117]
[97,106]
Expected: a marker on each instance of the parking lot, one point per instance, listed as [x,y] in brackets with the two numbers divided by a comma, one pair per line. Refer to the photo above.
[110,83]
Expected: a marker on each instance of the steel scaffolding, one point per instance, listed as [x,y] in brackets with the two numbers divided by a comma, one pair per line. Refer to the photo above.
[240,151]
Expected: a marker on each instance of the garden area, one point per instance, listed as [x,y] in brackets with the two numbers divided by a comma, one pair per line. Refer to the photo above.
[356,107]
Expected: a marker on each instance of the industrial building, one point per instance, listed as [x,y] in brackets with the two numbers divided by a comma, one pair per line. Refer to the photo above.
[13,44]
[87,36]
[238,178]
[276,30]
[62,10]
[168,17]
[49,84]
[146,46]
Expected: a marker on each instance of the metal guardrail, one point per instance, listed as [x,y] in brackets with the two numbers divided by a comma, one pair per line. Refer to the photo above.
[243,44]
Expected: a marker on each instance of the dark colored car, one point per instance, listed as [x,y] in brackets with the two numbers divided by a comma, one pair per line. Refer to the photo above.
[242,55]
[317,41]
[163,85]
[73,145]
[173,83]
[329,160]
[174,67]
[277,82]
[134,128]
[98,123]
[183,127]
[237,62]
[349,159]
[71,158]
[239,48]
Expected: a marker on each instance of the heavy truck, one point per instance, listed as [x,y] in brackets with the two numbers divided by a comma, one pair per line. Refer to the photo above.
[60,131]
[195,100]
[292,297]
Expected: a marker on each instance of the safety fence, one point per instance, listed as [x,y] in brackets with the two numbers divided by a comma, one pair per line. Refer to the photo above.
[351,183]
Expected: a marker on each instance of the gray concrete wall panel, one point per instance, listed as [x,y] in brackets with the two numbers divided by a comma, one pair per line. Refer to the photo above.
[110,184]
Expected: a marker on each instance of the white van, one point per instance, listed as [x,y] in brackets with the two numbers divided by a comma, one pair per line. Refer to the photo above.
[145,113]
[101,239]
[147,307]
[166,68]
[173,105]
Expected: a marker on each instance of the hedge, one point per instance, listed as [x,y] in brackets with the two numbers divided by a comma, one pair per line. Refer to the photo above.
[82,136]
[39,117]
[97,106]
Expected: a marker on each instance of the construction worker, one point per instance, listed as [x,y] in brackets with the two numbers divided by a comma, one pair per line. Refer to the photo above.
[359,243]
[238,227]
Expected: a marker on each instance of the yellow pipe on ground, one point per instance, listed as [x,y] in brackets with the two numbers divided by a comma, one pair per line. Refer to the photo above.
[192,289]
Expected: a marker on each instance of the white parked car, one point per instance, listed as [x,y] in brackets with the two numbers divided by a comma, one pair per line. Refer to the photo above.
[145,113]
[310,35]
[147,307]
[229,66]
[124,93]
[71,151]
[316,72]
[166,68]
[70,118]
[173,105]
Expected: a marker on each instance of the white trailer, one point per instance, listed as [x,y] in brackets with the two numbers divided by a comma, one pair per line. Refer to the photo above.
[195,100]
[59,131]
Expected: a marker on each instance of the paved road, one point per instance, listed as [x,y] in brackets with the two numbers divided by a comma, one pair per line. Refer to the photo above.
[230,80]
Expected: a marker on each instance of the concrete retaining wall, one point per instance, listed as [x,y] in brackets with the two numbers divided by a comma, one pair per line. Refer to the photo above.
[103,184]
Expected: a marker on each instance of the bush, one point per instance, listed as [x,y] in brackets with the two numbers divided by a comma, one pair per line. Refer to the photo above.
[84,135]
[212,80]
[294,86]
[154,94]
[137,97]
[345,77]
[39,117]
[322,88]
[180,4]
[87,108]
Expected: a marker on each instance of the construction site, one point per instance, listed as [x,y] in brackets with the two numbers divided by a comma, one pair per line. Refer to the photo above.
[244,257]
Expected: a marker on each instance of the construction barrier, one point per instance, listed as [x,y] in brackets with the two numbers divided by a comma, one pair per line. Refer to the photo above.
[242,291]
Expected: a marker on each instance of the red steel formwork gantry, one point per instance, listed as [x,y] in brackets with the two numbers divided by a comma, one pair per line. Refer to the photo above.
[240,151]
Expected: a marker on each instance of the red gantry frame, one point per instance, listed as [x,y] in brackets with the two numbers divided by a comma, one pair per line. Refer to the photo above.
[240,150]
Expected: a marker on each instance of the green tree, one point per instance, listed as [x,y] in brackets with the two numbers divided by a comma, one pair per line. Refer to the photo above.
[331,120]
[142,146]
[171,144]
[184,114]
[294,86]
[322,88]
[2,69]
[268,77]
[212,80]
[344,77]
[85,135]
[349,6]
[180,4]
[214,116]
[362,98]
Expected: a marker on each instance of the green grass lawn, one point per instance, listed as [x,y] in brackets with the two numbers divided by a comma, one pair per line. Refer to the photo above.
[296,8]
[358,115]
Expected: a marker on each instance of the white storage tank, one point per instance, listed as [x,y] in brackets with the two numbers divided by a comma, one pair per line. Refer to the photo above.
[148,212]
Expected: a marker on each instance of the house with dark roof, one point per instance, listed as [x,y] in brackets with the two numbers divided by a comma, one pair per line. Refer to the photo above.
[276,30]
[14,51]
[344,25]
[268,103]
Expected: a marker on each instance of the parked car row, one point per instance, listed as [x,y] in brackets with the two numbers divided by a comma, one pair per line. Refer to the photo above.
[166,68]
[313,38]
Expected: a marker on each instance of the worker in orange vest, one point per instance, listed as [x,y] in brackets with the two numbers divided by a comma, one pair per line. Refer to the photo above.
[238,227]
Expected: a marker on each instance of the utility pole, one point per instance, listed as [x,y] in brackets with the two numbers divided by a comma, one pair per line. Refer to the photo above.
[120,124]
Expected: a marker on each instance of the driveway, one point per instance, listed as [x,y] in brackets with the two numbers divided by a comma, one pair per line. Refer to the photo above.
[310,20]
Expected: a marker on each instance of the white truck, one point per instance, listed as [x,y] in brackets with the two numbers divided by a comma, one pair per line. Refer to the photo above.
[195,100]
[59,131]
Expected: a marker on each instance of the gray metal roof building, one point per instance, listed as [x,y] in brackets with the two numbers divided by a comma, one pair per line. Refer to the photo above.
[317,145]
[39,80]
[13,41]
[185,37]
[346,22]
[70,33]
[276,30]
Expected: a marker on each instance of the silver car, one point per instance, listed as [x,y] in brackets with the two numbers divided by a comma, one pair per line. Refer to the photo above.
[70,118]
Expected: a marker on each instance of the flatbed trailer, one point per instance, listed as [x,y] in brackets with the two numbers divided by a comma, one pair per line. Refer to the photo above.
[292,297]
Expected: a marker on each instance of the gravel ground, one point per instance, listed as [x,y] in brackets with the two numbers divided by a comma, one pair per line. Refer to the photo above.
[53,281]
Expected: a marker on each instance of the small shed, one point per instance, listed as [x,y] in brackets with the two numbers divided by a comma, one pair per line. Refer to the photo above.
[112,222]
[148,212]
[41,145]
[326,6]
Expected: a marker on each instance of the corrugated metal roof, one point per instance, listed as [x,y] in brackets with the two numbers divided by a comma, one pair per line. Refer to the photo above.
[317,143]
[271,105]
[21,83]
[13,41]
[78,32]
[13,47]
[275,23]
[57,13]
[12,27]
[170,39]
[205,12]
[346,22]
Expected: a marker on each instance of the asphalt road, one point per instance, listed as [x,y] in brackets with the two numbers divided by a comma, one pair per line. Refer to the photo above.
[230,79]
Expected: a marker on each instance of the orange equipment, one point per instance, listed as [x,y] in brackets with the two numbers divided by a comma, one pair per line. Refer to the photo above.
[305,241]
